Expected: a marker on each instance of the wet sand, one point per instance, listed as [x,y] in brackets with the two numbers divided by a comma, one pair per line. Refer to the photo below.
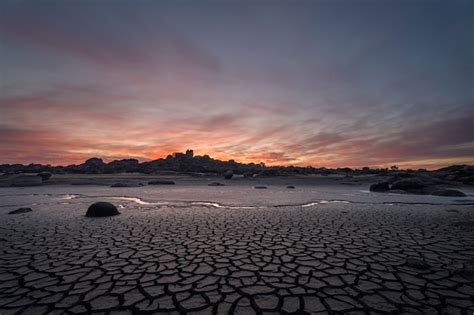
[190,248]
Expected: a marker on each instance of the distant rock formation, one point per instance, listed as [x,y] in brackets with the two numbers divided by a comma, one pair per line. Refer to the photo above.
[194,165]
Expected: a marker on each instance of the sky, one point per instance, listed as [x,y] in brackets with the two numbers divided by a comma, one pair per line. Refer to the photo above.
[324,83]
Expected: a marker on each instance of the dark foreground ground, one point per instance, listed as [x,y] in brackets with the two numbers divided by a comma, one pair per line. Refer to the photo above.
[327,258]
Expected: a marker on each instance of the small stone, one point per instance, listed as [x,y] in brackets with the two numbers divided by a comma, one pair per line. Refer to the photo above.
[20,210]
[121,185]
[161,182]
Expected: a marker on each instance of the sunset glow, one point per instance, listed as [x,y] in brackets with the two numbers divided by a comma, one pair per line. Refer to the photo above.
[319,83]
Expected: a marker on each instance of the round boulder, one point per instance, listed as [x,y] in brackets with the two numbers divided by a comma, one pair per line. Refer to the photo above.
[379,187]
[228,174]
[44,175]
[448,193]
[102,209]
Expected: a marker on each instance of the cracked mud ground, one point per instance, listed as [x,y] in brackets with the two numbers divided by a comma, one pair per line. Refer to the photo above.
[332,258]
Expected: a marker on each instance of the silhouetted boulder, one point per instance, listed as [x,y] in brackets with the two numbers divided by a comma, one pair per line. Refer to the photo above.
[27,180]
[161,182]
[260,187]
[448,193]
[380,187]
[228,174]
[410,185]
[102,209]
[20,210]
[290,187]
[44,175]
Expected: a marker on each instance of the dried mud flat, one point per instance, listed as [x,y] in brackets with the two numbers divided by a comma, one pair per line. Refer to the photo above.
[346,258]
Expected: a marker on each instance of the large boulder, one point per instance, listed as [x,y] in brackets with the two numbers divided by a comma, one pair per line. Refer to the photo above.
[26,180]
[20,210]
[228,174]
[410,184]
[380,187]
[102,209]
[448,193]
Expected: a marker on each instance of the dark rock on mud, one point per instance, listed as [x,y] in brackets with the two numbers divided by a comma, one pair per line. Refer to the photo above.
[380,187]
[260,187]
[448,193]
[120,185]
[414,185]
[44,175]
[20,210]
[161,182]
[290,187]
[102,209]
[228,174]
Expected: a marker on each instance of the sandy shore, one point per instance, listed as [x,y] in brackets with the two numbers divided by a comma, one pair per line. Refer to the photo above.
[233,249]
